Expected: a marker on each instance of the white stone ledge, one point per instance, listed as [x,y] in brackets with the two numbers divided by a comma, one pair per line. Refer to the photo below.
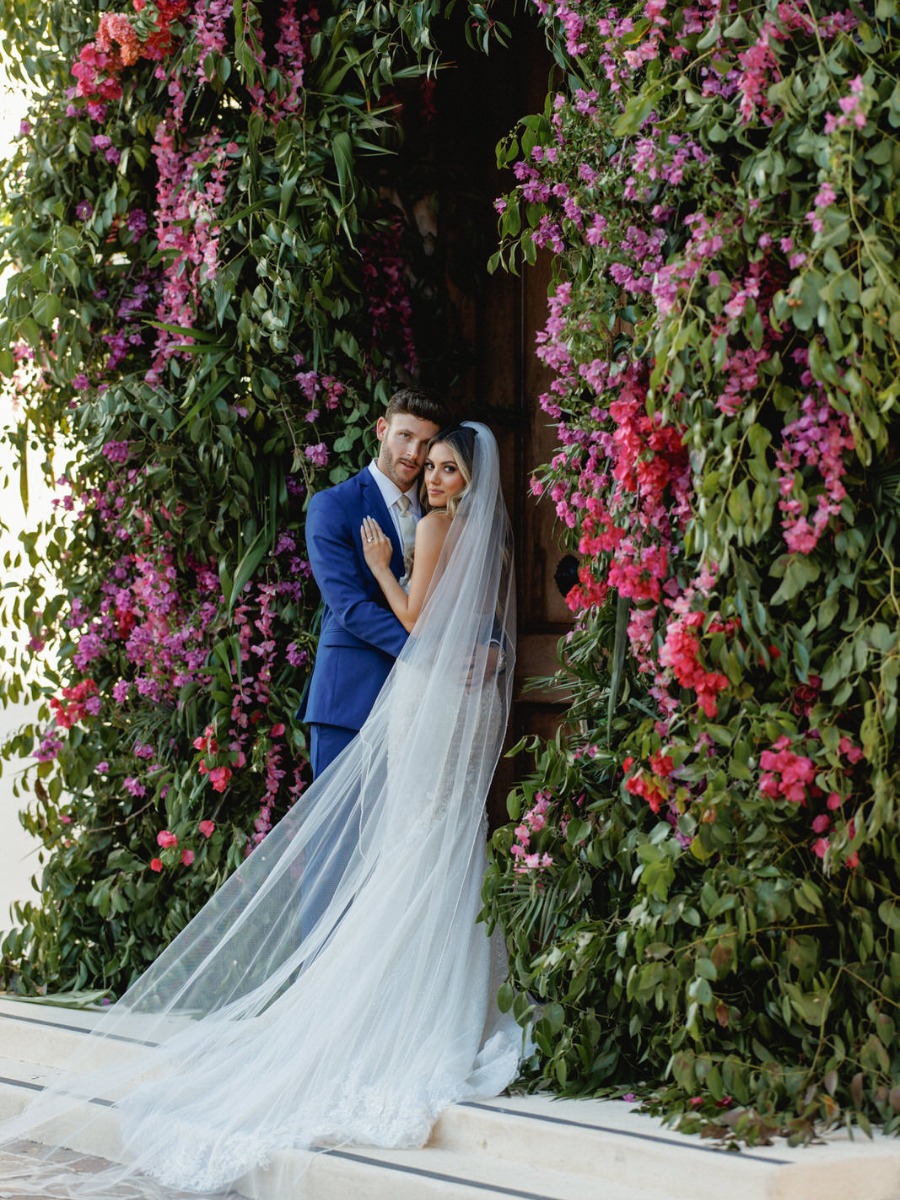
[509,1148]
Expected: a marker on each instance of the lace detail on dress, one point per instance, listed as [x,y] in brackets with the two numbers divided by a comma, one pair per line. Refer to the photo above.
[360,1112]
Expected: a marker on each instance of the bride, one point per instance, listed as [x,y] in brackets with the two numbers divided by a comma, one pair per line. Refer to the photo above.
[342,996]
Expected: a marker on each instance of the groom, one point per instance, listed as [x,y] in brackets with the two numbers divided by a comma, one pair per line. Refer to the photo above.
[360,636]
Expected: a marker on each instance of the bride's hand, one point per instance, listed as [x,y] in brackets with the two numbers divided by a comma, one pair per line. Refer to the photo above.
[376,544]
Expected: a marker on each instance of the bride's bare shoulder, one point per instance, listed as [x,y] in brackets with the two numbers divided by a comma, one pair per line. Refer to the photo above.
[432,528]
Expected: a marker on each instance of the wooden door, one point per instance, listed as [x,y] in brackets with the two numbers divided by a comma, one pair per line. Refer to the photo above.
[481,99]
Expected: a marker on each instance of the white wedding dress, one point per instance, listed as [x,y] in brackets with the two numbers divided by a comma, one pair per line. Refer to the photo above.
[338,988]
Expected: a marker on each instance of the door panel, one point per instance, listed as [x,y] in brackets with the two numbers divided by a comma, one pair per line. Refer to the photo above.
[480,100]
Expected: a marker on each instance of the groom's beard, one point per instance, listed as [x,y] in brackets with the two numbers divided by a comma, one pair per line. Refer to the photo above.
[405,478]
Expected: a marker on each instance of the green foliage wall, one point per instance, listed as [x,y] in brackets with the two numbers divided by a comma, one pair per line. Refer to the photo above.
[209,306]
[699,882]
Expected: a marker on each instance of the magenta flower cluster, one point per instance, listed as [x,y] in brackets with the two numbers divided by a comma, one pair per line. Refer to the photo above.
[533,821]
[820,439]
[190,190]
[152,637]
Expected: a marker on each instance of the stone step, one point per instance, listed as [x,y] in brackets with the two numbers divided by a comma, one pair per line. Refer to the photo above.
[610,1140]
[42,1033]
[20,1081]
[527,1147]
[32,1033]
[432,1173]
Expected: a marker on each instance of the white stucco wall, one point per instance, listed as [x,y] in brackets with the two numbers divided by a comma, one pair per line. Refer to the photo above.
[18,856]
[18,850]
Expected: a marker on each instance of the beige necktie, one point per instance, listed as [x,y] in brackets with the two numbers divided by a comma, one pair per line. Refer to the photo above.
[407,523]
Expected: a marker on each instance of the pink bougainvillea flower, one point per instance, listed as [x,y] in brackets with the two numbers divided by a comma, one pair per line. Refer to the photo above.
[852,753]
[662,764]
[786,773]
[116,452]
[295,656]
[219,777]
[72,707]
[206,741]
[207,828]
[649,787]
[166,839]
[187,857]
[156,864]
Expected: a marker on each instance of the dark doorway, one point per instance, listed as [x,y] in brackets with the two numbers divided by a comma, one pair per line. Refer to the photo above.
[480,99]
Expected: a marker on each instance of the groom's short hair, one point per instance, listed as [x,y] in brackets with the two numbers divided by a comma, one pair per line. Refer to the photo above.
[416,403]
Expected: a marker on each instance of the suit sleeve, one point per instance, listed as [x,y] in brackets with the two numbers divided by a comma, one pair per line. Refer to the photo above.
[336,566]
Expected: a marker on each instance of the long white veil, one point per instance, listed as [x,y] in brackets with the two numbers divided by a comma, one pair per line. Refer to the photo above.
[337,988]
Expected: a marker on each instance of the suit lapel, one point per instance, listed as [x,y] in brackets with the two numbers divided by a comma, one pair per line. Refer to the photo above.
[374,506]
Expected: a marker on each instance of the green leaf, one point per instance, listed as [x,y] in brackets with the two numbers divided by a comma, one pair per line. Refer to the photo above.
[637,110]
[46,308]
[889,912]
[706,969]
[620,645]
[800,572]
[342,152]
[248,564]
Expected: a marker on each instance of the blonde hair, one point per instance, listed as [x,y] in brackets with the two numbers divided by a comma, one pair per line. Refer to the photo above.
[461,440]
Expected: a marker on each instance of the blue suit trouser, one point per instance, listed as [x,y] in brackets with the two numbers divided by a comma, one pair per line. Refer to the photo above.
[325,743]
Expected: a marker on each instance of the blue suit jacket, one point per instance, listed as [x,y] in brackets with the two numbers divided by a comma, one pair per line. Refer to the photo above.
[360,636]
